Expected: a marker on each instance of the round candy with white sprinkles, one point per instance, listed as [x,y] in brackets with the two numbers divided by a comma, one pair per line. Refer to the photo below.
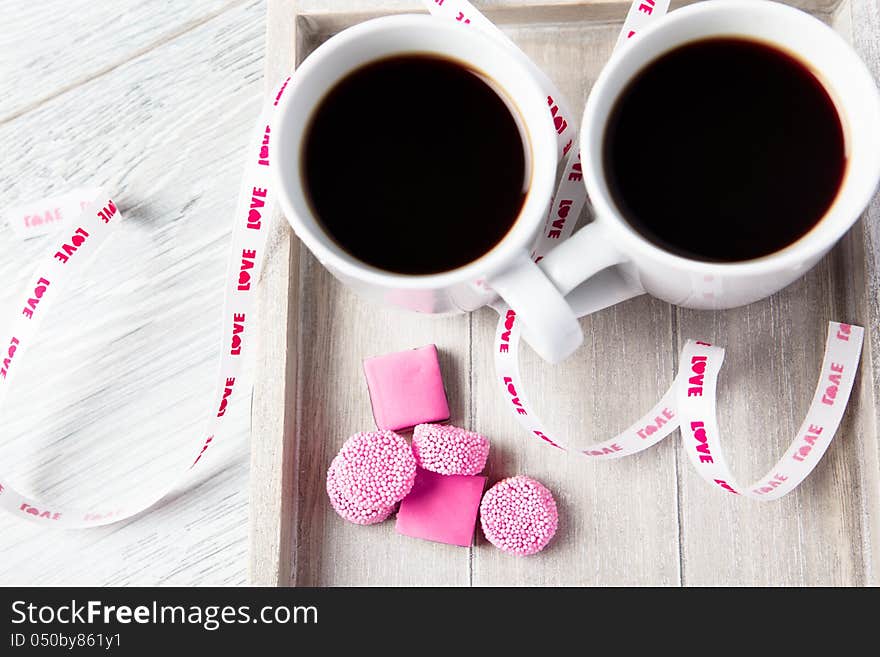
[375,470]
[519,515]
[449,450]
[345,508]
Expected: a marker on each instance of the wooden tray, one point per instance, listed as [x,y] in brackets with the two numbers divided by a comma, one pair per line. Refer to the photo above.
[642,520]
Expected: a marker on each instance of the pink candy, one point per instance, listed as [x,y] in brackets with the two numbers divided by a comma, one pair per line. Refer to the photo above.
[346,509]
[441,508]
[370,475]
[406,388]
[376,470]
[519,515]
[449,450]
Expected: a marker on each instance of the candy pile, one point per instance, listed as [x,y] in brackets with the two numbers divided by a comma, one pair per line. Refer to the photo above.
[437,481]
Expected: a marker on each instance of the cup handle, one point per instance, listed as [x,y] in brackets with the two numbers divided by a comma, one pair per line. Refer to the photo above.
[580,257]
[549,324]
[607,288]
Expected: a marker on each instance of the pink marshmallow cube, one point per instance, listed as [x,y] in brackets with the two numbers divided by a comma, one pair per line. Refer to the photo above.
[406,388]
[441,508]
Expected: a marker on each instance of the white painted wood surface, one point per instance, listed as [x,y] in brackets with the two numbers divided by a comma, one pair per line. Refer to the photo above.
[155,100]
[644,520]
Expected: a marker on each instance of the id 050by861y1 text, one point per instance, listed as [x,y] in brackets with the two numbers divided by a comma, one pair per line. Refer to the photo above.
[62,640]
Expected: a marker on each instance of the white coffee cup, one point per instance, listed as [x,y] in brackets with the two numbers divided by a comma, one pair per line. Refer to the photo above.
[552,328]
[631,265]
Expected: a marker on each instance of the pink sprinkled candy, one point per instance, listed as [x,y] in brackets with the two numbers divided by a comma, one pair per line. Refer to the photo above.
[449,450]
[519,515]
[346,509]
[372,472]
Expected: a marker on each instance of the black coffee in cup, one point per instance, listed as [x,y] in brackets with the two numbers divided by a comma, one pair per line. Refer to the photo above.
[725,150]
[415,164]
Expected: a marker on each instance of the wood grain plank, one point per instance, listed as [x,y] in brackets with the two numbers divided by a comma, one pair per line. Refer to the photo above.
[338,331]
[864,19]
[560,9]
[119,387]
[619,523]
[337,14]
[618,519]
[774,351]
[817,535]
[57,45]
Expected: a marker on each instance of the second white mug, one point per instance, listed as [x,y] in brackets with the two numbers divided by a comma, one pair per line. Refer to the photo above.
[634,265]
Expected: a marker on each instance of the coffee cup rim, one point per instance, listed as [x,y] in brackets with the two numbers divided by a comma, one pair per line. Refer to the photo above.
[860,179]
[526,98]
